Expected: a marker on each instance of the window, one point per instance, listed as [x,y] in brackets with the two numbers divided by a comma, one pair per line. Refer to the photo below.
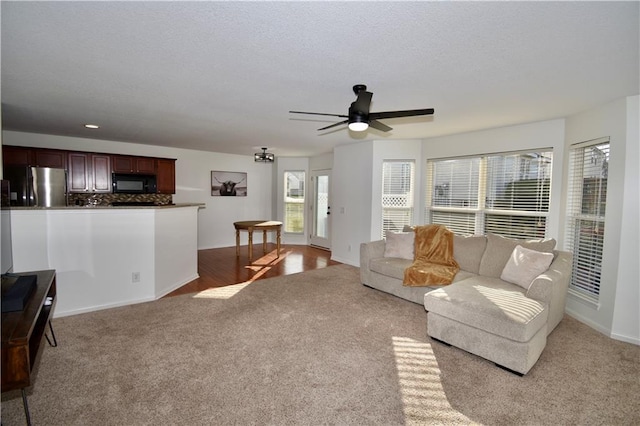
[397,195]
[586,203]
[294,201]
[506,194]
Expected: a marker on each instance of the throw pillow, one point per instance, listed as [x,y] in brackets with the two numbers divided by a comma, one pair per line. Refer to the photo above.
[399,244]
[499,249]
[525,265]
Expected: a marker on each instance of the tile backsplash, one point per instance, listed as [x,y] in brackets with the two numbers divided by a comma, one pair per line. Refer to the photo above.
[79,199]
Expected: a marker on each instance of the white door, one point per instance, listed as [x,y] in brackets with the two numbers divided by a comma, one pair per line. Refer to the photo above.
[320,209]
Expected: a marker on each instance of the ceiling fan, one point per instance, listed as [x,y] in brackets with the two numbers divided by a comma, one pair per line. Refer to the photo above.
[359,117]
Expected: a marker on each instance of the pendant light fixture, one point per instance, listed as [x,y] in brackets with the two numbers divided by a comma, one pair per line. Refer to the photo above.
[263,157]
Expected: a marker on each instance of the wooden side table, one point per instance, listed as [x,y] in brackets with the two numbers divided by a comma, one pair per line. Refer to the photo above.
[22,333]
[259,225]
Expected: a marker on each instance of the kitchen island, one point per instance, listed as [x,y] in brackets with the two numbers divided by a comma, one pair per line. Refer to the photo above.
[108,256]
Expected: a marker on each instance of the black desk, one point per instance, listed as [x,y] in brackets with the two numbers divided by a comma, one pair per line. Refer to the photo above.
[23,332]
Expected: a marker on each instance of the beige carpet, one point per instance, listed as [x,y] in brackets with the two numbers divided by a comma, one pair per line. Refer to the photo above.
[312,348]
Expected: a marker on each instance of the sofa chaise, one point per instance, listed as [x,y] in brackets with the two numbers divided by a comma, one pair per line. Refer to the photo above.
[501,305]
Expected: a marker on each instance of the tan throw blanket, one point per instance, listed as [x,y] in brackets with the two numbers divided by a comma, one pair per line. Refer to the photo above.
[433,260]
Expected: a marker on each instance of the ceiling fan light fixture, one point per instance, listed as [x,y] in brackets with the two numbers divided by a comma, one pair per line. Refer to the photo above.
[357,123]
[264,157]
[358,126]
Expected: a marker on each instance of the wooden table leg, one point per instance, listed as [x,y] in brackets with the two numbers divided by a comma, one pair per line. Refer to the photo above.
[264,241]
[278,242]
[237,242]
[250,244]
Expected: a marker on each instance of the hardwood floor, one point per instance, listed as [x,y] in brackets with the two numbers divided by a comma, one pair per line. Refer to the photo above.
[220,267]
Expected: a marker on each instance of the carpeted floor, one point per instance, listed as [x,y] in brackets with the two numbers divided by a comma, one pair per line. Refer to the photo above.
[312,348]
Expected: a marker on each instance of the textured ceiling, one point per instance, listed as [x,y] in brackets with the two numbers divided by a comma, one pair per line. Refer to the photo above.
[222,76]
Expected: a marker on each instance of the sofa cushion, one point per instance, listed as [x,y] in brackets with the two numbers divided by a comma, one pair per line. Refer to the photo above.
[399,244]
[468,251]
[499,250]
[489,304]
[525,265]
[390,266]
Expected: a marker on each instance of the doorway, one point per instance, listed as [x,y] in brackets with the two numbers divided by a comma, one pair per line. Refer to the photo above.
[321,209]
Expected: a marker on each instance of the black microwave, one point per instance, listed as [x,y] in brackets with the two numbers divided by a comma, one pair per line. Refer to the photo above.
[134,184]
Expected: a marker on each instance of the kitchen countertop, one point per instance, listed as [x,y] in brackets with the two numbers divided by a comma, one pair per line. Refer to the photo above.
[92,207]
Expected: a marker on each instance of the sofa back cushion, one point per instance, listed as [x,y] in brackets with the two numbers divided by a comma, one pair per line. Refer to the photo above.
[468,251]
[499,249]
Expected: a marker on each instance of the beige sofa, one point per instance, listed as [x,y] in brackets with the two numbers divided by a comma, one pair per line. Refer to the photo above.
[480,312]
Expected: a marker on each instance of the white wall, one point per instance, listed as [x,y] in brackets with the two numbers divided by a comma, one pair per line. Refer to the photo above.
[351,194]
[618,299]
[626,314]
[96,251]
[193,181]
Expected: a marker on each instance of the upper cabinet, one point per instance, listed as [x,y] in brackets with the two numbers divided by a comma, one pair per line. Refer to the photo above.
[35,157]
[90,171]
[50,158]
[16,155]
[166,176]
[132,164]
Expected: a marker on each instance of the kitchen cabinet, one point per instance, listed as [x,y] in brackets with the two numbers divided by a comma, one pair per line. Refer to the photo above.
[35,157]
[50,158]
[132,164]
[166,175]
[89,172]
[16,155]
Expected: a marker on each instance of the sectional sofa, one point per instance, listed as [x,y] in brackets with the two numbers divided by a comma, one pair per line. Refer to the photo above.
[506,299]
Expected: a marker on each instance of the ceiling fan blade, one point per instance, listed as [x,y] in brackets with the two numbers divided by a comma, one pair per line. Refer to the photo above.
[396,114]
[319,113]
[378,125]
[363,103]
[334,125]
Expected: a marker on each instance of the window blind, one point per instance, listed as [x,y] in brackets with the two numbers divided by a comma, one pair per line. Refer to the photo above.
[397,194]
[506,194]
[586,205]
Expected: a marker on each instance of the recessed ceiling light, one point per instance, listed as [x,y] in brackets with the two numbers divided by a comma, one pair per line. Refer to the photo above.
[91,126]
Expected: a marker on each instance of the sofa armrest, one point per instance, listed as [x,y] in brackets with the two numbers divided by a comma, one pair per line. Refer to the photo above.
[368,251]
[551,286]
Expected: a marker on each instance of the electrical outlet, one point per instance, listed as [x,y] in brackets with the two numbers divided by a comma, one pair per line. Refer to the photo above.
[135,277]
[349,248]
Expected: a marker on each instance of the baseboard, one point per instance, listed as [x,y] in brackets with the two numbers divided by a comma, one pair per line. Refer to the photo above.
[623,338]
[59,314]
[627,339]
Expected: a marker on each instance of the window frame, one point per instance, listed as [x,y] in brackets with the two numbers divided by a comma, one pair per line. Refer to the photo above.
[476,217]
[288,226]
[407,210]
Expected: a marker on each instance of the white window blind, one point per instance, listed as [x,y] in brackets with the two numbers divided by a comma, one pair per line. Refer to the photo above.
[517,194]
[294,197]
[586,205]
[453,193]
[506,194]
[397,195]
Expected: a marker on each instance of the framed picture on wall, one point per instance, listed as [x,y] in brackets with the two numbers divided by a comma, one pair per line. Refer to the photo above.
[228,184]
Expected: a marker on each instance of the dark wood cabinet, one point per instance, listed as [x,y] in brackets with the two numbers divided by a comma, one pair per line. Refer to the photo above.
[16,156]
[166,175]
[132,164]
[35,157]
[101,172]
[50,158]
[88,172]
[91,172]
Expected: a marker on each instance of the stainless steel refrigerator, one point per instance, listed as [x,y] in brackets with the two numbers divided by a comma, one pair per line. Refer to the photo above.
[36,186]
